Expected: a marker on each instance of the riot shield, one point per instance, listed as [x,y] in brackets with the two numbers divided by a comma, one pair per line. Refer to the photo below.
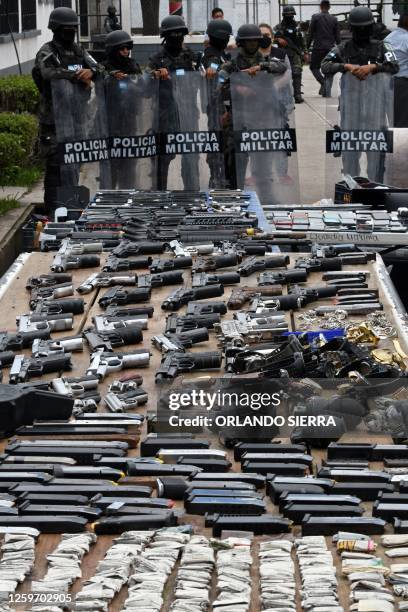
[359,139]
[82,133]
[191,155]
[131,109]
[264,137]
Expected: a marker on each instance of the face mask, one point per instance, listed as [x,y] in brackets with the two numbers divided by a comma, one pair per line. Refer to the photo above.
[362,35]
[218,43]
[66,36]
[174,41]
[265,42]
[251,46]
[289,19]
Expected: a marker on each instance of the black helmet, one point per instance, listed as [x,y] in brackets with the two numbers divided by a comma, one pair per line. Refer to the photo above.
[220,29]
[117,39]
[360,16]
[173,23]
[64,17]
[249,31]
[111,9]
[288,10]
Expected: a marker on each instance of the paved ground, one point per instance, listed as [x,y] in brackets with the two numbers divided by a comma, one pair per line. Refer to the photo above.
[311,128]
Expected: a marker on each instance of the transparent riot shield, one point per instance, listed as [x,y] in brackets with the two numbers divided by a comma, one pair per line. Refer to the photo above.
[131,109]
[264,137]
[82,133]
[359,138]
[191,156]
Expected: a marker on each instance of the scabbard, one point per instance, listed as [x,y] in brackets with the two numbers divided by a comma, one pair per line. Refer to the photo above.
[266,447]
[226,477]
[150,446]
[297,512]
[134,523]
[59,510]
[224,505]
[48,498]
[47,524]
[265,524]
[271,468]
[366,491]
[317,499]
[326,526]
[207,465]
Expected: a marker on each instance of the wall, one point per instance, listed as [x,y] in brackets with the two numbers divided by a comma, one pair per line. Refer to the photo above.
[197,12]
[27,46]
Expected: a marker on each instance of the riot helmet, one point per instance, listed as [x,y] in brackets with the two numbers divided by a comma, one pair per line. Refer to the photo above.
[62,17]
[117,40]
[249,36]
[219,32]
[361,22]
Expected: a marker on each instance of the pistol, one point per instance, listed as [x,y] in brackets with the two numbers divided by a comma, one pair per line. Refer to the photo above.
[183,295]
[176,362]
[103,363]
[120,296]
[104,279]
[166,265]
[116,264]
[241,295]
[203,280]
[24,368]
[253,264]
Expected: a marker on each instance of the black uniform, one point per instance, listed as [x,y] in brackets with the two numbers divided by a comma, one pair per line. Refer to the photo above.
[376,52]
[186,60]
[272,64]
[364,104]
[295,49]
[115,63]
[324,33]
[54,61]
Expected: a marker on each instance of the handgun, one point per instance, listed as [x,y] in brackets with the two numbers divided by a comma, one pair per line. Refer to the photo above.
[107,323]
[253,264]
[106,279]
[180,250]
[127,248]
[11,341]
[176,362]
[120,296]
[44,324]
[181,340]
[158,266]
[149,281]
[38,294]
[48,280]
[243,294]
[24,367]
[283,278]
[203,279]
[116,264]
[210,264]
[103,363]
[60,306]
[42,348]
[183,295]
[107,340]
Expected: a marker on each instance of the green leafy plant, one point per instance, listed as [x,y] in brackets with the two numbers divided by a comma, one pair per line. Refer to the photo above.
[7,204]
[18,94]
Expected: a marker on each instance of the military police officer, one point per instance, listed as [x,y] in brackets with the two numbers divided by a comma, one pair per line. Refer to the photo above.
[362,54]
[289,37]
[173,59]
[118,61]
[249,60]
[61,58]
[365,100]
[111,20]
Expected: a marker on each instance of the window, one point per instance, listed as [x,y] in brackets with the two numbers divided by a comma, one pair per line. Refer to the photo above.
[28,15]
[58,3]
[8,16]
